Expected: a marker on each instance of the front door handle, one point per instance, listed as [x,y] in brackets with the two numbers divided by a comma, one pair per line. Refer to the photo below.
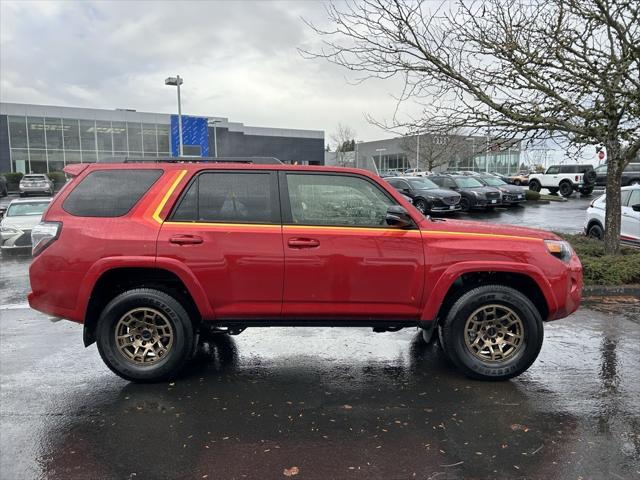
[303,243]
[186,239]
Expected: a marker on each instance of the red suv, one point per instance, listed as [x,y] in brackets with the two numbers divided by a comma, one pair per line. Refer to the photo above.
[150,256]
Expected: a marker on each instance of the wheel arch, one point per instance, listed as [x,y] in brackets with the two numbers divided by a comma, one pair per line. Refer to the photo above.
[110,282]
[459,279]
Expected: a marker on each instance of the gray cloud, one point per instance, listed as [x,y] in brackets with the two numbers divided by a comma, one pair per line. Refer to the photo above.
[239,60]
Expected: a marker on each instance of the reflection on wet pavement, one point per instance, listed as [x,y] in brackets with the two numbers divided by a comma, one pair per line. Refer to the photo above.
[336,403]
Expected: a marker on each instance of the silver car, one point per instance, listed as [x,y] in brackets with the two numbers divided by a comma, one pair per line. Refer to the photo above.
[37,183]
[20,218]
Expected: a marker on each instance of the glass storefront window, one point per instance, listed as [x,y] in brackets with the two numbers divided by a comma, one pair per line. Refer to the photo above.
[134,132]
[104,155]
[35,132]
[18,132]
[56,159]
[38,160]
[163,139]
[72,156]
[119,130]
[88,157]
[71,134]
[20,159]
[88,136]
[149,139]
[103,132]
[53,127]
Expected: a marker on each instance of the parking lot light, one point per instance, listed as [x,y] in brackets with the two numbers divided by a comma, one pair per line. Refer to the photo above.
[176,82]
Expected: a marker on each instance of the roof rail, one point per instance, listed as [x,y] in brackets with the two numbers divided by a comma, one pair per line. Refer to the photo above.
[254,160]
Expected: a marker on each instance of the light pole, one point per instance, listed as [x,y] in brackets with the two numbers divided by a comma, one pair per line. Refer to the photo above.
[176,82]
[380,156]
[215,138]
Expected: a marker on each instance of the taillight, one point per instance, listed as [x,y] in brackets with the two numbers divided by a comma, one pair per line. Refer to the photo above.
[43,235]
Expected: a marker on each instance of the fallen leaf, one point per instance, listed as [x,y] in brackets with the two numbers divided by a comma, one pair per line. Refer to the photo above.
[517,426]
[347,407]
[290,472]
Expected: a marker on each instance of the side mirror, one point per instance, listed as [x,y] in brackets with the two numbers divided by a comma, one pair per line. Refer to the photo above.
[397,216]
[406,190]
[636,207]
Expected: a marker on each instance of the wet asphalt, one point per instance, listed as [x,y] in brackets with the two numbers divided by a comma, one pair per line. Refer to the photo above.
[320,403]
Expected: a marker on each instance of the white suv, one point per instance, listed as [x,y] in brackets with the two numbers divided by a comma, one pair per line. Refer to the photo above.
[564,179]
[630,227]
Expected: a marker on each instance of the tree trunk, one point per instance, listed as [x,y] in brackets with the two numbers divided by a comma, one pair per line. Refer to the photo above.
[612,206]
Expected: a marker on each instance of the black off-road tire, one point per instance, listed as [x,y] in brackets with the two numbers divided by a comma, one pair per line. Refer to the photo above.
[596,231]
[590,176]
[453,333]
[586,191]
[566,189]
[184,337]
[465,204]
[535,185]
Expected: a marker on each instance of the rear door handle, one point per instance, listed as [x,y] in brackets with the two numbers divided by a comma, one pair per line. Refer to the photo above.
[186,239]
[303,243]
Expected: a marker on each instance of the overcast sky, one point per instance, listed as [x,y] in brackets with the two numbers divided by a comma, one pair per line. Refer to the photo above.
[238,60]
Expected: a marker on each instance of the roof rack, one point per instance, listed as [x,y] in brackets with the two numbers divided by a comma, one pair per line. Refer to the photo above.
[254,160]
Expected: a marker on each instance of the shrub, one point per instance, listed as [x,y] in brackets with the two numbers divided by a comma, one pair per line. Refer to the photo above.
[58,178]
[601,269]
[13,179]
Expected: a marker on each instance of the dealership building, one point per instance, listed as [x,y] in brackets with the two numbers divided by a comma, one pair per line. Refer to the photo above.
[42,138]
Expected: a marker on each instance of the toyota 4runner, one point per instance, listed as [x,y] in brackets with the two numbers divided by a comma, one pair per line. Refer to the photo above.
[565,179]
[152,256]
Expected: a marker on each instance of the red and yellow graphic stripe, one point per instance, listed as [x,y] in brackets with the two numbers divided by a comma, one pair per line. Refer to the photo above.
[168,187]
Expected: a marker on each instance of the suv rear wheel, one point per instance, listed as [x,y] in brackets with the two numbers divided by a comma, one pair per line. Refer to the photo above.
[492,332]
[145,335]
[535,185]
[566,189]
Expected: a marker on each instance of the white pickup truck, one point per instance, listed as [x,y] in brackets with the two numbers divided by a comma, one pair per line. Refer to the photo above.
[565,179]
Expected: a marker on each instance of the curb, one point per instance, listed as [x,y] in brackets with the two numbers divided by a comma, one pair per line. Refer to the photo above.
[611,291]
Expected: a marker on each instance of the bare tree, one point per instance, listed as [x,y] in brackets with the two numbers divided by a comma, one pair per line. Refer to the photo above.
[434,150]
[565,69]
[344,141]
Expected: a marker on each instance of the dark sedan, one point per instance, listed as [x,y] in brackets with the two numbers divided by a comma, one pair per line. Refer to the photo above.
[474,193]
[511,194]
[426,195]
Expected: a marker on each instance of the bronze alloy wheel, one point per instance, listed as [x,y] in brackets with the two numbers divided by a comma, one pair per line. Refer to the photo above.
[144,336]
[494,333]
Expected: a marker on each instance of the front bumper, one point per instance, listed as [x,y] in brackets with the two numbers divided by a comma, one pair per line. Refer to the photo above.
[514,198]
[445,208]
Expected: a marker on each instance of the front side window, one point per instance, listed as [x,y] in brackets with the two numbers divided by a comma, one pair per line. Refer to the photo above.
[109,193]
[553,170]
[336,200]
[232,197]
[634,198]
[493,181]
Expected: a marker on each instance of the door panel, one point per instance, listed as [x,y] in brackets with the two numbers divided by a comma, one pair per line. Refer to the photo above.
[630,228]
[353,266]
[226,229]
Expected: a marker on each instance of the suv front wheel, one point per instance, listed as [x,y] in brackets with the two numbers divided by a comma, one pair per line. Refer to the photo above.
[145,335]
[492,332]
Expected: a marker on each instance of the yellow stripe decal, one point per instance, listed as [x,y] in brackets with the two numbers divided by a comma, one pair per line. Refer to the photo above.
[163,202]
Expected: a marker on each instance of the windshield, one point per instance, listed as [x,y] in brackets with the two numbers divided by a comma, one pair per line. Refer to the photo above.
[493,181]
[423,184]
[468,182]
[26,209]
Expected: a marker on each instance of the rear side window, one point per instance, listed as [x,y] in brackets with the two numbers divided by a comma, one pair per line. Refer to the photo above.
[109,193]
[234,197]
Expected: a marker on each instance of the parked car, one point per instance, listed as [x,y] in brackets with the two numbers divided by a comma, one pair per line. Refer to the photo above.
[564,179]
[414,172]
[511,194]
[520,178]
[151,256]
[21,216]
[630,225]
[425,195]
[474,193]
[630,175]
[37,183]
[4,191]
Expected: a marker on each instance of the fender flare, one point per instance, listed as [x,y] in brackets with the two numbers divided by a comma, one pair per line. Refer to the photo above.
[171,265]
[451,274]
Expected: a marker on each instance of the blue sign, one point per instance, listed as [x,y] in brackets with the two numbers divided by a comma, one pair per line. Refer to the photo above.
[195,136]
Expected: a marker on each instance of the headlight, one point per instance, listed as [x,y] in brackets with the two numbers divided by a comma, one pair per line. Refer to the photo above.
[559,249]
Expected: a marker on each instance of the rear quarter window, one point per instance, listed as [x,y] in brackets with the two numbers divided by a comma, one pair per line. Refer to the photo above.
[109,193]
